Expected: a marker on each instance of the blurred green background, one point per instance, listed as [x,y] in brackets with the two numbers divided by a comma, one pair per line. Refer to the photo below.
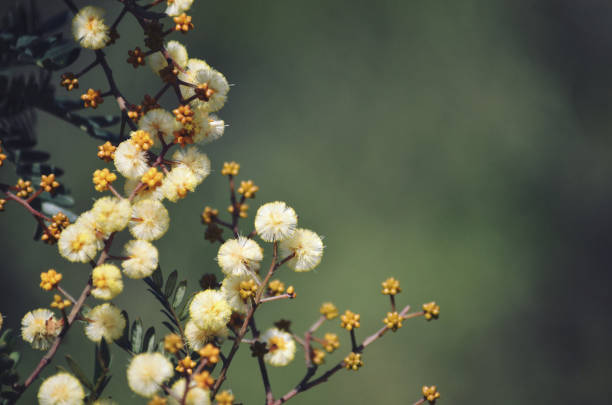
[460,146]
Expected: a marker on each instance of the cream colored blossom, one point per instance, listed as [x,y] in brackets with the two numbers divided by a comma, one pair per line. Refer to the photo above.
[40,328]
[89,29]
[200,74]
[210,310]
[158,122]
[179,181]
[143,257]
[147,372]
[307,247]
[88,220]
[239,256]
[194,160]
[198,337]
[61,389]
[195,395]
[107,282]
[176,7]
[144,193]
[130,160]
[150,220]
[112,214]
[281,347]
[177,52]
[275,221]
[207,127]
[77,243]
[106,321]
[231,288]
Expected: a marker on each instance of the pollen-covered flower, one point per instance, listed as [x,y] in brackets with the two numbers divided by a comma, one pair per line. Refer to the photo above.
[211,86]
[207,127]
[177,52]
[176,7]
[194,160]
[158,122]
[112,214]
[281,347]
[150,220]
[130,160]
[143,257]
[77,243]
[106,321]
[210,310]
[147,372]
[275,221]
[198,337]
[40,328]
[87,220]
[239,256]
[179,181]
[107,282]
[144,193]
[89,29]
[195,395]
[238,289]
[307,248]
[61,389]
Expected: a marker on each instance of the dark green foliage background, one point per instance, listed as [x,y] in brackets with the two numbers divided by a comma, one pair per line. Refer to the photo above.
[461,146]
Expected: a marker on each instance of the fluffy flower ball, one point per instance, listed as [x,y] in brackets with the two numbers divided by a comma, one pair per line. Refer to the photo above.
[307,247]
[40,328]
[209,310]
[143,257]
[239,256]
[179,181]
[112,214]
[281,347]
[77,243]
[106,321]
[231,289]
[177,52]
[61,389]
[177,7]
[275,221]
[194,160]
[158,122]
[150,220]
[107,282]
[195,395]
[88,28]
[130,160]
[146,373]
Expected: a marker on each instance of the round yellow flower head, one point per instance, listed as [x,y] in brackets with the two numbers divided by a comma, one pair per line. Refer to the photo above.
[238,290]
[275,221]
[142,139]
[194,160]
[239,256]
[177,7]
[158,122]
[281,347]
[77,243]
[197,337]
[143,257]
[307,248]
[107,282]
[147,372]
[173,343]
[152,179]
[393,321]
[211,86]
[61,389]
[103,178]
[112,214]
[353,361]
[209,310]
[195,395]
[88,28]
[430,393]
[40,328]
[391,286]
[230,169]
[150,220]
[179,181]
[177,52]
[130,160]
[432,310]
[106,321]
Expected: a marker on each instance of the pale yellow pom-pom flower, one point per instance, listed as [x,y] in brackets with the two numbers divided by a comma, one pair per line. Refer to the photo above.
[112,214]
[61,389]
[307,247]
[281,347]
[210,310]
[150,220]
[89,29]
[275,221]
[194,160]
[40,328]
[77,243]
[195,395]
[106,321]
[239,256]
[130,160]
[107,282]
[143,257]
[147,372]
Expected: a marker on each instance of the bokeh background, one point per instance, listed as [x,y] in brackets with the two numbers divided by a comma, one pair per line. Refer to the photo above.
[460,146]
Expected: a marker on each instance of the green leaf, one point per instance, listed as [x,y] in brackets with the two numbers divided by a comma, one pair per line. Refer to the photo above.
[158,277]
[149,340]
[179,294]
[78,372]
[170,283]
[136,336]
